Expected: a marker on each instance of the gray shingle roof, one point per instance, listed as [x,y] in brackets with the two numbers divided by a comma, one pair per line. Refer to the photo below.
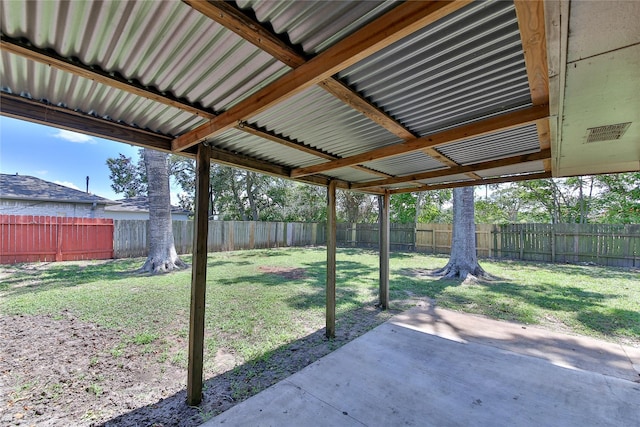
[24,187]
[138,204]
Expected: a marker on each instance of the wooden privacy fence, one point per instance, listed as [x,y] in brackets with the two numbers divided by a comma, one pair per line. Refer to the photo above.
[34,238]
[605,244]
[130,236]
[429,238]
[28,238]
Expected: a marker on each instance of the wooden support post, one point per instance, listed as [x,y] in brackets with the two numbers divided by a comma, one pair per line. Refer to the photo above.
[384,250]
[331,259]
[198,278]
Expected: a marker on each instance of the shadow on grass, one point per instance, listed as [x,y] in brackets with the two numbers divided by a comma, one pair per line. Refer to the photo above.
[314,275]
[30,278]
[508,300]
[589,270]
[226,390]
[612,322]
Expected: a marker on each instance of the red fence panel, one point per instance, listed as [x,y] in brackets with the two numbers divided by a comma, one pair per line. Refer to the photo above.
[28,238]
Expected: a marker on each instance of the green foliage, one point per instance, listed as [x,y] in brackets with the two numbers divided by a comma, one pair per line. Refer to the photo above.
[127,177]
[427,207]
[241,195]
[356,207]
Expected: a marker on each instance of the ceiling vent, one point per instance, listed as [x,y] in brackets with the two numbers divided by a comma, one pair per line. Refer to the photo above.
[607,133]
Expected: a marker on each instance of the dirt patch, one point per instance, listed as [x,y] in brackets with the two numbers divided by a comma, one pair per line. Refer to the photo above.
[290,273]
[65,372]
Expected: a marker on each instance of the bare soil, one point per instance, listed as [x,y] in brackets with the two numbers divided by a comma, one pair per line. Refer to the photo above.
[65,372]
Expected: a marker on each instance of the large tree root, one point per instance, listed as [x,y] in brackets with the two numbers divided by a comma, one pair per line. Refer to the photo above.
[468,274]
[156,265]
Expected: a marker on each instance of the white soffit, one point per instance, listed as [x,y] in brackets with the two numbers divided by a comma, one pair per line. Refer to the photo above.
[602,88]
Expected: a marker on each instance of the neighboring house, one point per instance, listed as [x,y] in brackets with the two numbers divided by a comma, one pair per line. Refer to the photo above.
[28,195]
[138,208]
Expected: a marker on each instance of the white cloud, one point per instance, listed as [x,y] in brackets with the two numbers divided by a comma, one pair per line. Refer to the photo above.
[67,184]
[78,138]
[42,172]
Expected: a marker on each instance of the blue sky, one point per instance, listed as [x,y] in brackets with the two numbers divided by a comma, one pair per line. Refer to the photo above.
[59,156]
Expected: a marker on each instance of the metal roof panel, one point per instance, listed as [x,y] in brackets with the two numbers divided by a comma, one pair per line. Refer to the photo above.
[464,67]
[316,25]
[521,140]
[529,167]
[41,82]
[324,122]
[263,149]
[405,164]
[165,45]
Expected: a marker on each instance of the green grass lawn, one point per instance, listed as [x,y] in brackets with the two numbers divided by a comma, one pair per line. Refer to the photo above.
[258,301]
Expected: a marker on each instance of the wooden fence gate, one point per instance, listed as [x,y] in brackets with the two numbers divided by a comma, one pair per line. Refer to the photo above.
[28,238]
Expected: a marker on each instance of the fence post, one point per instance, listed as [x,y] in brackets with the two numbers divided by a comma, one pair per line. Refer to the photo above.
[58,239]
[433,240]
[553,243]
[521,241]
[492,248]
[314,234]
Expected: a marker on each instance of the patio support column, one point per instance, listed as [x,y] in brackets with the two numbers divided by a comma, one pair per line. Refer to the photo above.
[331,259]
[384,250]
[198,277]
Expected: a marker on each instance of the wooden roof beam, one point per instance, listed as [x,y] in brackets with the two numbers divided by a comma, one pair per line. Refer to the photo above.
[470,130]
[508,161]
[512,178]
[279,139]
[531,21]
[398,23]
[50,115]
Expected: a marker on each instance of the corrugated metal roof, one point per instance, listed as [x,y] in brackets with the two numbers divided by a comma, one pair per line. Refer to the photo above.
[406,164]
[322,121]
[351,175]
[467,66]
[166,45]
[521,140]
[536,166]
[446,179]
[464,67]
[316,26]
[41,82]
[264,149]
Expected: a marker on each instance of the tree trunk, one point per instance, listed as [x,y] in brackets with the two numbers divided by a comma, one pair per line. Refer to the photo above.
[463,262]
[162,253]
[251,197]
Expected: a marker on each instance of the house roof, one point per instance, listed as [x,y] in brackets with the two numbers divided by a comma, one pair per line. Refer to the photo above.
[138,204]
[377,95]
[24,187]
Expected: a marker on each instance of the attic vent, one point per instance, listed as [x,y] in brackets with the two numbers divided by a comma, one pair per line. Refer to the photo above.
[607,133]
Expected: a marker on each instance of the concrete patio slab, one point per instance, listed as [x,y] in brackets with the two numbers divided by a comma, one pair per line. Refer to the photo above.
[433,367]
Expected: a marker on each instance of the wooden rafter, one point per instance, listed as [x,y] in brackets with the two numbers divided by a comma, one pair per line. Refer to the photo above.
[400,22]
[479,128]
[516,178]
[52,59]
[38,112]
[279,139]
[507,161]
[229,17]
[531,21]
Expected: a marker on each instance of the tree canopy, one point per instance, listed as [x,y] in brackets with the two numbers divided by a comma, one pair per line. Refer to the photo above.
[243,195]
